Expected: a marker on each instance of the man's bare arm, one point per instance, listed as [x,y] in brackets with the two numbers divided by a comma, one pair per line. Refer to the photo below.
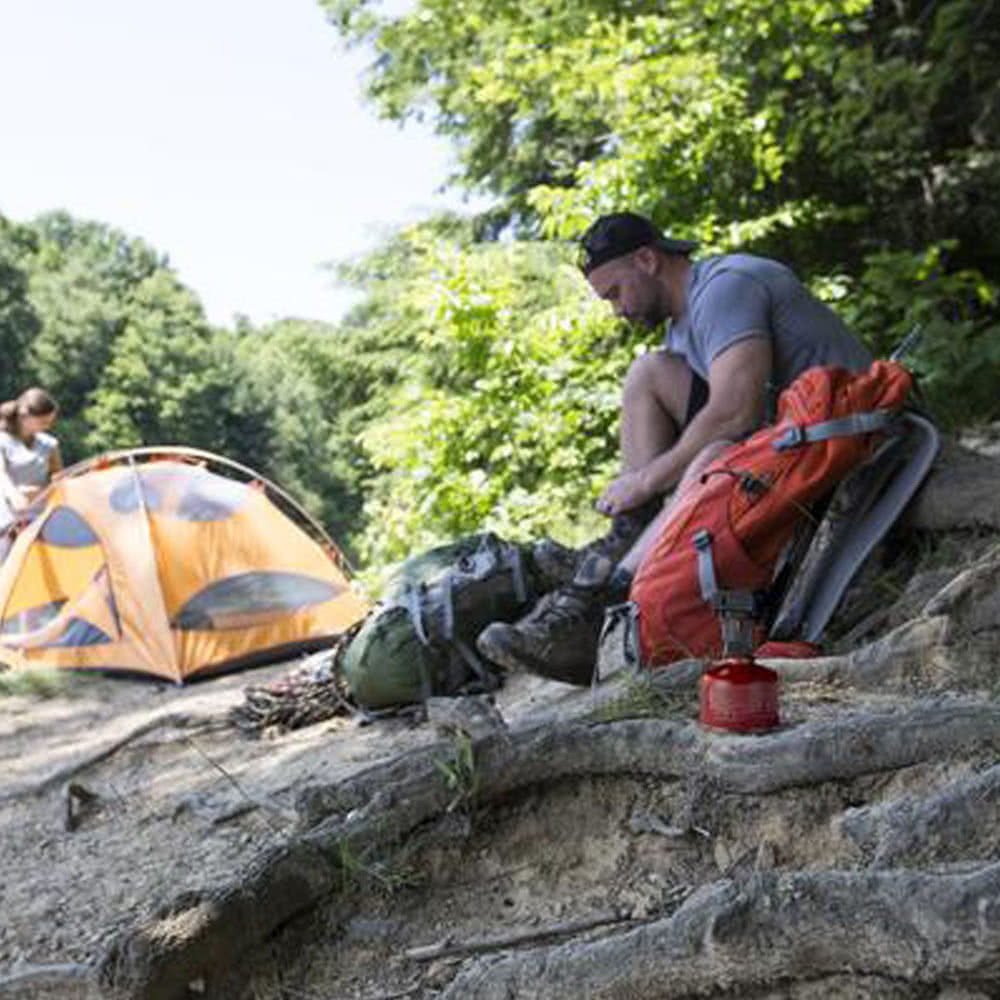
[737,382]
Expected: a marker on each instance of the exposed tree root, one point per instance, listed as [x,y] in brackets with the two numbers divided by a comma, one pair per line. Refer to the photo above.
[178,720]
[202,936]
[850,745]
[891,662]
[972,598]
[733,937]
[44,974]
[910,829]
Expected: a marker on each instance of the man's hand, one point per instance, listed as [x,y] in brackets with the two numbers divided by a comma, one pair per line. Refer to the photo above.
[737,382]
[737,391]
[627,491]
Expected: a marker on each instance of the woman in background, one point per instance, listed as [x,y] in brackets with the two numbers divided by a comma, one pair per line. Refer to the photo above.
[29,457]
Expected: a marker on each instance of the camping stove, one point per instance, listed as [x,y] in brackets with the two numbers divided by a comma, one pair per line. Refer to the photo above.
[738,694]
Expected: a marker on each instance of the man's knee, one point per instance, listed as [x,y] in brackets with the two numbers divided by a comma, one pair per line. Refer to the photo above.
[658,372]
[663,377]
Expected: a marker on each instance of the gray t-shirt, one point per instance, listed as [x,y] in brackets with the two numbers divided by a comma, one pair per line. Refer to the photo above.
[736,296]
[26,465]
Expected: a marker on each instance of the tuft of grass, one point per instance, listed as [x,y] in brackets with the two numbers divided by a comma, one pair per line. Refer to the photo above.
[641,699]
[459,773]
[390,875]
[34,683]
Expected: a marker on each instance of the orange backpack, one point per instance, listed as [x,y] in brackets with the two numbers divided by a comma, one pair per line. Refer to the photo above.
[726,533]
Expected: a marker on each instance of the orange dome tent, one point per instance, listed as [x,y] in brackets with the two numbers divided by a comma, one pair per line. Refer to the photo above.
[147,561]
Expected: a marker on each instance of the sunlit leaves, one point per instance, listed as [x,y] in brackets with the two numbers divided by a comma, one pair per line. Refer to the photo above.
[19,322]
[853,138]
[958,353]
[563,109]
[507,417]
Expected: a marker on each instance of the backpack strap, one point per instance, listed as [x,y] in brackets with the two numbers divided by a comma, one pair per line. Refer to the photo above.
[415,598]
[414,605]
[475,662]
[515,559]
[706,566]
[411,596]
[735,602]
[737,609]
[867,504]
[462,648]
[626,617]
[849,426]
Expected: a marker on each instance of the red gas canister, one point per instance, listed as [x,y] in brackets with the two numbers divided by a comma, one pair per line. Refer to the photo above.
[739,695]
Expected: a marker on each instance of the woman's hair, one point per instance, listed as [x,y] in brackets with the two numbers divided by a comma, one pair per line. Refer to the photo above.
[33,402]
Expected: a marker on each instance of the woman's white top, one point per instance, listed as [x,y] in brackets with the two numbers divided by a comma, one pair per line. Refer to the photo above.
[26,465]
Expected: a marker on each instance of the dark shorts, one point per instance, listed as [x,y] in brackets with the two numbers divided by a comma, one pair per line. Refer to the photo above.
[697,399]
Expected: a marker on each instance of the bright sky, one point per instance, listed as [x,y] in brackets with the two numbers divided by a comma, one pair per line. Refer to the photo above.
[229,134]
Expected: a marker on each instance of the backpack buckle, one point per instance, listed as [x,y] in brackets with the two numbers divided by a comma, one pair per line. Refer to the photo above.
[792,438]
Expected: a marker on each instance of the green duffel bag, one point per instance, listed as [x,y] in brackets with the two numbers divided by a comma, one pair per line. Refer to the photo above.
[420,640]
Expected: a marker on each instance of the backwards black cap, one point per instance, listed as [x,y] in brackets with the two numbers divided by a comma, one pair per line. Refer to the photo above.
[620,233]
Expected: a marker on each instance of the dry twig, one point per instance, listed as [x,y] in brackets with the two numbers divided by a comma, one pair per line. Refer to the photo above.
[446,948]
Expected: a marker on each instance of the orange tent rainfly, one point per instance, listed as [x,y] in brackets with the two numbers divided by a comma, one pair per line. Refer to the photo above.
[147,561]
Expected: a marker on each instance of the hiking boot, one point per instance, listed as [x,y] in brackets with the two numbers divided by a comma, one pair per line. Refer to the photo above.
[557,639]
[555,564]
[558,565]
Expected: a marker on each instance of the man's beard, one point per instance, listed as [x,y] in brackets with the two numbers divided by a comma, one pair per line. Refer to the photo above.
[650,319]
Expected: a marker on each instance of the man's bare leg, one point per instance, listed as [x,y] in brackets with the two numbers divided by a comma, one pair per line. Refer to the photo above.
[635,555]
[655,401]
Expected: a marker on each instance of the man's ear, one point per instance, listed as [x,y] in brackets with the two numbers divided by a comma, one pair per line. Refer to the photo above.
[647,259]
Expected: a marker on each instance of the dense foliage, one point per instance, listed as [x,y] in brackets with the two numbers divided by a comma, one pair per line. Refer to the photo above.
[508,413]
[477,383]
[858,140]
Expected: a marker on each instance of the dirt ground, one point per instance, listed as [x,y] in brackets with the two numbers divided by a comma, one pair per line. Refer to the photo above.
[182,800]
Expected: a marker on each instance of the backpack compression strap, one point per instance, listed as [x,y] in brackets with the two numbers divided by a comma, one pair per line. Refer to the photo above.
[626,617]
[737,609]
[416,599]
[731,601]
[464,650]
[849,426]
[412,595]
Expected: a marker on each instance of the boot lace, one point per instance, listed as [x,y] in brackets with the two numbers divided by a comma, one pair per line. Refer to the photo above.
[568,604]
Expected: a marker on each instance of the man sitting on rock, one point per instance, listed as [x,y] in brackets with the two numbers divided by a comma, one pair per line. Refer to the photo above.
[741,329]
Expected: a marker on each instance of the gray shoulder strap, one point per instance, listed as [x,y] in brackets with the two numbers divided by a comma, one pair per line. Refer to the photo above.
[849,426]
[867,504]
